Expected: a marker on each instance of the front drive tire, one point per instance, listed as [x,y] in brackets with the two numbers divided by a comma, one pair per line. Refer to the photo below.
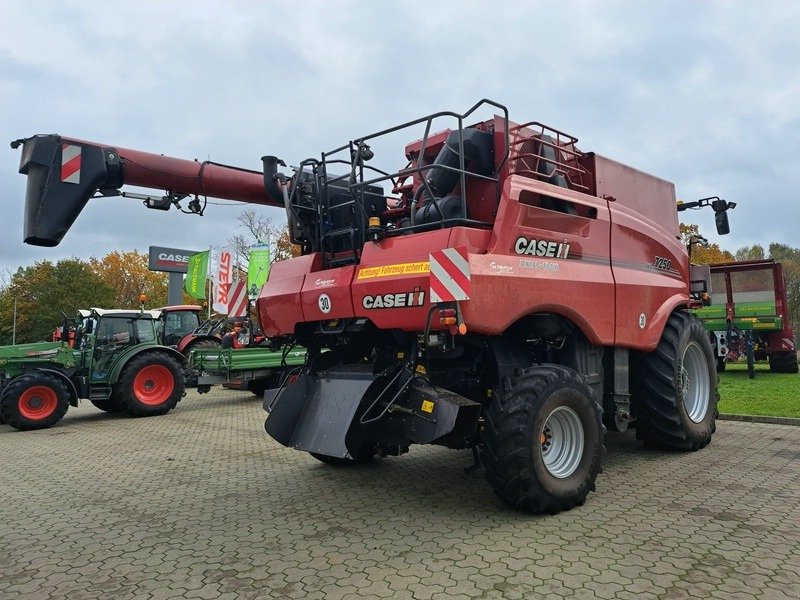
[150,384]
[674,388]
[543,440]
[34,401]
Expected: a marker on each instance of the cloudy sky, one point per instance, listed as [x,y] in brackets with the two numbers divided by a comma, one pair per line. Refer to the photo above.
[705,94]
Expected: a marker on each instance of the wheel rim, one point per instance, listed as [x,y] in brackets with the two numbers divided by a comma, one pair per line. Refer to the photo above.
[38,402]
[695,382]
[153,385]
[562,441]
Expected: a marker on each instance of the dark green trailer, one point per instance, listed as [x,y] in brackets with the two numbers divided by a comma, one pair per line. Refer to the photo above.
[254,369]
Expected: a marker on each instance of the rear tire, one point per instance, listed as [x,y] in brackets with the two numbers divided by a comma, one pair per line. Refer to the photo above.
[543,440]
[783,362]
[674,388]
[34,401]
[150,384]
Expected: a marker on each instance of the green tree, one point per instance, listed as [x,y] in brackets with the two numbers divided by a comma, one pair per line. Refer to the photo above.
[43,291]
[128,274]
[703,255]
[754,252]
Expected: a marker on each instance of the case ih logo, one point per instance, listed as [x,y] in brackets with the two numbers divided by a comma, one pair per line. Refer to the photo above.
[173,260]
[542,248]
[416,297]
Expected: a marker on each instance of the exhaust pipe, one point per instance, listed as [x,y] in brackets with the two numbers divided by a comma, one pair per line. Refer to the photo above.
[63,174]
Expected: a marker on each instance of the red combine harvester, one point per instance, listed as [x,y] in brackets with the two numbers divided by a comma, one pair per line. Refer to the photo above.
[505,292]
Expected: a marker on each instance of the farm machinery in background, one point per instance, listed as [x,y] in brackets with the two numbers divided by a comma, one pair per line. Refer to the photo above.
[503,292]
[749,316]
[117,362]
[174,324]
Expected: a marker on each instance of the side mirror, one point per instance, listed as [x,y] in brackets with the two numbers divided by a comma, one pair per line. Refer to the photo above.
[721,221]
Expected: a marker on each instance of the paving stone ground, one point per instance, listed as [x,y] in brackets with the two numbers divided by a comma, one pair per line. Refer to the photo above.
[202,504]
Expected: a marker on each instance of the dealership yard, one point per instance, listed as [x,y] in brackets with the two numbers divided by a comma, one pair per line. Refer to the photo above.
[202,504]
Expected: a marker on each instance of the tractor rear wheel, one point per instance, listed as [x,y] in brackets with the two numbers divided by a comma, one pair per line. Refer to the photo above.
[674,388]
[109,405]
[150,384]
[783,362]
[34,401]
[543,440]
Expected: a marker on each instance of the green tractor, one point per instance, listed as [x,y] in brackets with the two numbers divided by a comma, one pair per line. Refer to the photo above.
[116,363]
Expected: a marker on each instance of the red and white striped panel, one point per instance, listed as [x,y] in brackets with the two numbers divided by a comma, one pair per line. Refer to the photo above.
[449,277]
[787,343]
[70,163]
[237,307]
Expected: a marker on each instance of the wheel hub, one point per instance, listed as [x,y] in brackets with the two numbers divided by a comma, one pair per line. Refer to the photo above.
[562,442]
[695,382]
[35,401]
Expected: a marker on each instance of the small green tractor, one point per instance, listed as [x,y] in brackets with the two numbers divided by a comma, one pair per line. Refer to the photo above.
[117,363]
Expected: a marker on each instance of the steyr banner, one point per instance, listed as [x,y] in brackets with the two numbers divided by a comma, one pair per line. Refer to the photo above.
[196,274]
[223,278]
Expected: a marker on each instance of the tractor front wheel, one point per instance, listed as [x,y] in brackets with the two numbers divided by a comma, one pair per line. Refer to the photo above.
[150,384]
[34,401]
[543,440]
[674,388]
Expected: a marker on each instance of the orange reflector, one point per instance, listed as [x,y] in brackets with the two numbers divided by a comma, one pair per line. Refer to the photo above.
[462,329]
[448,320]
[374,221]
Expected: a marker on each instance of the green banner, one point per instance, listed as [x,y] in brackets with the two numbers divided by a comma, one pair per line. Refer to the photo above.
[196,273]
[257,270]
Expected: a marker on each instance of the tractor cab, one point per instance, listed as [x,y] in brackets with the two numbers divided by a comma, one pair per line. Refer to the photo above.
[175,322]
[108,337]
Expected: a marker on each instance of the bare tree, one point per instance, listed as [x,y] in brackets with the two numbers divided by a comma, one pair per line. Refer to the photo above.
[254,228]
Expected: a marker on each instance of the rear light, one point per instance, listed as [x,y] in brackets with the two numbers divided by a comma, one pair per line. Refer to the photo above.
[447,316]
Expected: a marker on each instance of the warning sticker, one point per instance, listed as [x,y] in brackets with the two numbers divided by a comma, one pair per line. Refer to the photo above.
[413,268]
[427,406]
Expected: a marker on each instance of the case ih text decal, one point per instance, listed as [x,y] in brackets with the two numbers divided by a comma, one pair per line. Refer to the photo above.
[416,297]
[542,248]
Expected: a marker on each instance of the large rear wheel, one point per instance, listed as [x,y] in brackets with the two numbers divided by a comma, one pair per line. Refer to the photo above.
[34,401]
[150,384]
[543,440]
[674,388]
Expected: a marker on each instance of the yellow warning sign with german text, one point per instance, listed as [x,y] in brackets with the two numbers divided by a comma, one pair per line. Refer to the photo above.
[413,268]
